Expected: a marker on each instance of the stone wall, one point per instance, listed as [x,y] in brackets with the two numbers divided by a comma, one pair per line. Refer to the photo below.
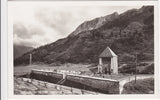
[46,76]
[101,85]
[93,84]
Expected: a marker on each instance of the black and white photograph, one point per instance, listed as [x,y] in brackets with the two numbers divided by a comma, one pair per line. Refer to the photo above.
[67,49]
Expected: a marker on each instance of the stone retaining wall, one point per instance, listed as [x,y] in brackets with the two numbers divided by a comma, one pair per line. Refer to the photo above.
[46,76]
[93,84]
[102,85]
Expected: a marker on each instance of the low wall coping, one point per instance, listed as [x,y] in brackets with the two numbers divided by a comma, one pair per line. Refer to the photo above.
[46,71]
[84,76]
[98,78]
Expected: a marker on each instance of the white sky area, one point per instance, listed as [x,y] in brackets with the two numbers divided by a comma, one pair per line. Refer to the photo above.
[40,23]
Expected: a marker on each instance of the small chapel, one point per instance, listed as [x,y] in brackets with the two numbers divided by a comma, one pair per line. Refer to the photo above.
[108,62]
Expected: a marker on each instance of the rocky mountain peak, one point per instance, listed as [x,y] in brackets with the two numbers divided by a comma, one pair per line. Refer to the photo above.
[94,24]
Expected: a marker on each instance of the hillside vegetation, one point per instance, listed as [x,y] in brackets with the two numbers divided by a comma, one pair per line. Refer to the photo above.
[126,34]
[19,50]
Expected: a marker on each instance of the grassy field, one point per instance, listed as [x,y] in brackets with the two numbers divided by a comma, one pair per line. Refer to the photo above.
[18,70]
[143,86]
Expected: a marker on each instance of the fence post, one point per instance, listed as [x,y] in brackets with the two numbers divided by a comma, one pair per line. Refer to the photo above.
[71,90]
[82,91]
[45,84]
[60,87]
[31,80]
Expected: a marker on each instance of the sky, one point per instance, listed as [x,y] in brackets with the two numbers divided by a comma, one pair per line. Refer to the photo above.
[36,24]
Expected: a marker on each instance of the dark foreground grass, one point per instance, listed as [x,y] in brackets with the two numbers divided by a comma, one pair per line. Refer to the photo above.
[143,86]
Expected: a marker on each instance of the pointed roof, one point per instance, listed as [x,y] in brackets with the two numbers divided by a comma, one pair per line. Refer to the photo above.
[107,53]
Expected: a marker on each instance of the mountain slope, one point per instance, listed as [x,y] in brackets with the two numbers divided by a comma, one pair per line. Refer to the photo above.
[126,34]
[19,50]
